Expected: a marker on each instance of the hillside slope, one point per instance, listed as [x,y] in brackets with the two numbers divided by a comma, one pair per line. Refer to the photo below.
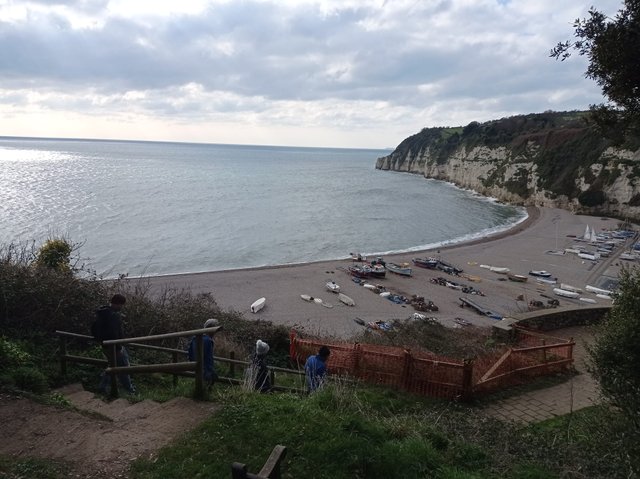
[548,159]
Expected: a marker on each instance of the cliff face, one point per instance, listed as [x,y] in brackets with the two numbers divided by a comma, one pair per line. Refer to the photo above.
[551,159]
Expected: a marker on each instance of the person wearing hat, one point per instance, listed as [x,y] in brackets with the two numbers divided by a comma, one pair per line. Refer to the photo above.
[208,346]
[315,369]
[259,371]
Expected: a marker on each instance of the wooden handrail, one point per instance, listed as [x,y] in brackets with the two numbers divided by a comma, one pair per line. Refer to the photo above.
[179,334]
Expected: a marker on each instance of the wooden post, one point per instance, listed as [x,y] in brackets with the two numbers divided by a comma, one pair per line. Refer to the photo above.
[63,354]
[238,471]
[175,376]
[272,373]
[467,380]
[199,367]
[112,364]
[232,366]
[356,360]
[271,468]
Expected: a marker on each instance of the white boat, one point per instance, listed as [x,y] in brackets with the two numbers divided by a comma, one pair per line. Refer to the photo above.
[573,250]
[556,252]
[589,256]
[587,234]
[540,273]
[384,294]
[628,256]
[565,294]
[568,287]
[258,305]
[346,299]
[333,287]
[306,297]
[593,289]
[604,296]
[587,300]
[317,300]
[546,281]
[495,269]
[369,286]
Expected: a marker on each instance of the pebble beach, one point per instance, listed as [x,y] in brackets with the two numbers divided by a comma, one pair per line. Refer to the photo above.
[521,249]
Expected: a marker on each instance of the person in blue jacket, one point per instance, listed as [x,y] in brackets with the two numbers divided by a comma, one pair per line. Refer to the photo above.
[208,346]
[316,369]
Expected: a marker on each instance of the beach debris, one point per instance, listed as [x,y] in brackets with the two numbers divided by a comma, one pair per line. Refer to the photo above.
[458,286]
[380,325]
[360,321]
[462,322]
[420,304]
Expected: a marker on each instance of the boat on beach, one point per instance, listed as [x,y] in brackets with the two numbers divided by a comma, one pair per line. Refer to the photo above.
[593,289]
[333,287]
[378,271]
[518,278]
[402,270]
[540,273]
[568,287]
[363,271]
[546,280]
[344,299]
[496,269]
[258,305]
[565,294]
[429,263]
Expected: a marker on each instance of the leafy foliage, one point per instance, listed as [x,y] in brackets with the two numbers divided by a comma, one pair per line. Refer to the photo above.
[55,253]
[612,46]
[615,356]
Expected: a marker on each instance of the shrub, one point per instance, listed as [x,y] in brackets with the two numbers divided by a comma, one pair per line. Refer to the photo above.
[55,253]
[11,354]
[591,198]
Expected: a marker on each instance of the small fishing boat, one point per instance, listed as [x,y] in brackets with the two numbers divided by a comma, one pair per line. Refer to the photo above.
[403,270]
[378,271]
[448,267]
[604,296]
[306,297]
[346,299]
[628,256]
[369,286]
[333,287]
[258,305]
[540,273]
[495,269]
[565,294]
[589,256]
[517,278]
[546,280]
[357,257]
[363,271]
[555,252]
[430,263]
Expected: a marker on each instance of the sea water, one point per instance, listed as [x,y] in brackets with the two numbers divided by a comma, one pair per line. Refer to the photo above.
[152,208]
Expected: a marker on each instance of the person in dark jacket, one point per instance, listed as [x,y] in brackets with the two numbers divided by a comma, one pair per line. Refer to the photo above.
[259,372]
[208,346]
[108,327]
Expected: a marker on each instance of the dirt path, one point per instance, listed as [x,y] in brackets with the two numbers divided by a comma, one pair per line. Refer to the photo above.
[96,445]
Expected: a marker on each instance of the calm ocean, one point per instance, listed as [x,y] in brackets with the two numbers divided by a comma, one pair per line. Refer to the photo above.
[146,208]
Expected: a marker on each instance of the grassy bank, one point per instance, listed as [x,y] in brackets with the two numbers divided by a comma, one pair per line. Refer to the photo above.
[348,432]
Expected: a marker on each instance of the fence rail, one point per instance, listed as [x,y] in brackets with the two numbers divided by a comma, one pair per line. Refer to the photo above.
[178,368]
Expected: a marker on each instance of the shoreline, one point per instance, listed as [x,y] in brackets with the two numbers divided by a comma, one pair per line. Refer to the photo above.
[533,213]
[521,249]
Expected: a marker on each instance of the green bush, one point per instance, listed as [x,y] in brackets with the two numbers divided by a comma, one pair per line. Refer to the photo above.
[12,354]
[55,253]
[591,198]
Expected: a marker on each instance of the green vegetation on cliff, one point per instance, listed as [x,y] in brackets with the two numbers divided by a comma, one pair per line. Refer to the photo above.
[560,146]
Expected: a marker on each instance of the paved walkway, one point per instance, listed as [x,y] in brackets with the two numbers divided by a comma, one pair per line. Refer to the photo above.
[576,393]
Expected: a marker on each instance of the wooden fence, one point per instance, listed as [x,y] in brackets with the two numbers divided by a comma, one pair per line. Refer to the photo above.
[438,376]
[177,367]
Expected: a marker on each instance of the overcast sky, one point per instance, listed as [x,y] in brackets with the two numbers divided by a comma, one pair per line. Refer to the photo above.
[350,73]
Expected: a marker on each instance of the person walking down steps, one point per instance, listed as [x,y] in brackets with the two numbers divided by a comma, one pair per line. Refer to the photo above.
[108,326]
